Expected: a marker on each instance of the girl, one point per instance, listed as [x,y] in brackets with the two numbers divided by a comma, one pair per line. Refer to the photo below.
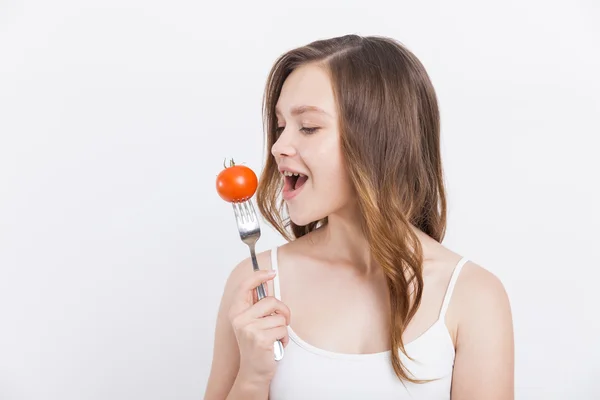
[366,300]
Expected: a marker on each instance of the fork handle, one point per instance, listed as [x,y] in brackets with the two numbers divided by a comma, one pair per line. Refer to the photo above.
[277,346]
[261,294]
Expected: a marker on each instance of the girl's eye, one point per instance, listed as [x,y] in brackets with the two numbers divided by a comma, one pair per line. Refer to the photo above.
[304,129]
[308,131]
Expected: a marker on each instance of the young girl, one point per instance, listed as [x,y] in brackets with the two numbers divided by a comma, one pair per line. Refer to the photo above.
[366,300]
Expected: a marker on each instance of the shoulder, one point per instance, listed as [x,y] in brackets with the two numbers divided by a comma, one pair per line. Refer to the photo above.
[484,362]
[243,270]
[478,289]
[481,302]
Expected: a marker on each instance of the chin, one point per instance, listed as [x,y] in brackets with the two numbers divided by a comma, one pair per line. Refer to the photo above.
[300,220]
[303,218]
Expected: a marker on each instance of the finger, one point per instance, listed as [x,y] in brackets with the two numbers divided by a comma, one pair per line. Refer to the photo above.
[250,283]
[268,306]
[283,336]
[264,308]
[285,340]
[269,322]
[279,333]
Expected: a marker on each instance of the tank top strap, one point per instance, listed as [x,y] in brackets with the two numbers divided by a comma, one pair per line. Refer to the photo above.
[274,266]
[451,285]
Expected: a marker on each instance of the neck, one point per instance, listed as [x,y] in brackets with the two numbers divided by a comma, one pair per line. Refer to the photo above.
[343,236]
[346,243]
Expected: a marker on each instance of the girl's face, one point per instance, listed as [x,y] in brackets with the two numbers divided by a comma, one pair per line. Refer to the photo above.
[308,147]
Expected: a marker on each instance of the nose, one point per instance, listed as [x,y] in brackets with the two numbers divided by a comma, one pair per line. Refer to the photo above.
[283,146]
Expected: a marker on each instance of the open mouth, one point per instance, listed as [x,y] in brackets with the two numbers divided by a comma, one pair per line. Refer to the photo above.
[293,181]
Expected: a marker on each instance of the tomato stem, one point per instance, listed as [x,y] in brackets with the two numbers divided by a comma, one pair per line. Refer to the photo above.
[231,163]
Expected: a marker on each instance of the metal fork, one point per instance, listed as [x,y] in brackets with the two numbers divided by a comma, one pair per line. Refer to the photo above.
[249,228]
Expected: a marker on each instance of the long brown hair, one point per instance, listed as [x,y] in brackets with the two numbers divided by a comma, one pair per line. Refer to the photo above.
[390,139]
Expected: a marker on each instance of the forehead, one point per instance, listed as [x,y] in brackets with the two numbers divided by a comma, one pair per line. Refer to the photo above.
[308,85]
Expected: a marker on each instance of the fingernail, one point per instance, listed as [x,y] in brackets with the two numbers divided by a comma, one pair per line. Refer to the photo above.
[272,272]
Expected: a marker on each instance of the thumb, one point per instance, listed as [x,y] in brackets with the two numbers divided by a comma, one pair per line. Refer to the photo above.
[247,292]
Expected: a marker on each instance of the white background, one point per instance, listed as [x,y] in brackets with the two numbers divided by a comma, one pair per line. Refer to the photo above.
[115,118]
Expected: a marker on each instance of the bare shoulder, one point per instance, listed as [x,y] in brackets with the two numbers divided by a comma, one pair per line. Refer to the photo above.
[484,363]
[479,291]
[243,270]
[479,297]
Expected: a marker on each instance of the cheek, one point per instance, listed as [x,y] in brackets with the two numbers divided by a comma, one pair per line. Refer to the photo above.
[325,162]
[330,173]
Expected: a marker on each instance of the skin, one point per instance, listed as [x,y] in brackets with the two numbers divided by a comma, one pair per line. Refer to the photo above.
[347,285]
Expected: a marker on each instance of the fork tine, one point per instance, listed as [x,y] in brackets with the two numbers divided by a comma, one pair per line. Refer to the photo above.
[252,210]
[248,210]
[245,216]
[234,211]
[238,216]
[241,212]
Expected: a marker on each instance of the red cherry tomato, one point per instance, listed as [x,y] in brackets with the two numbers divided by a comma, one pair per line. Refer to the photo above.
[236,183]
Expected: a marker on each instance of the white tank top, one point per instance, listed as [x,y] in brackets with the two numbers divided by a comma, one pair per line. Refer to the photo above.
[307,372]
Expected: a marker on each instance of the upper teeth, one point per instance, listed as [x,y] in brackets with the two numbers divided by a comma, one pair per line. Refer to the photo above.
[288,173]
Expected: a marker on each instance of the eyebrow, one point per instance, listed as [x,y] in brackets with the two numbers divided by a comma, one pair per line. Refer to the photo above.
[299,110]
